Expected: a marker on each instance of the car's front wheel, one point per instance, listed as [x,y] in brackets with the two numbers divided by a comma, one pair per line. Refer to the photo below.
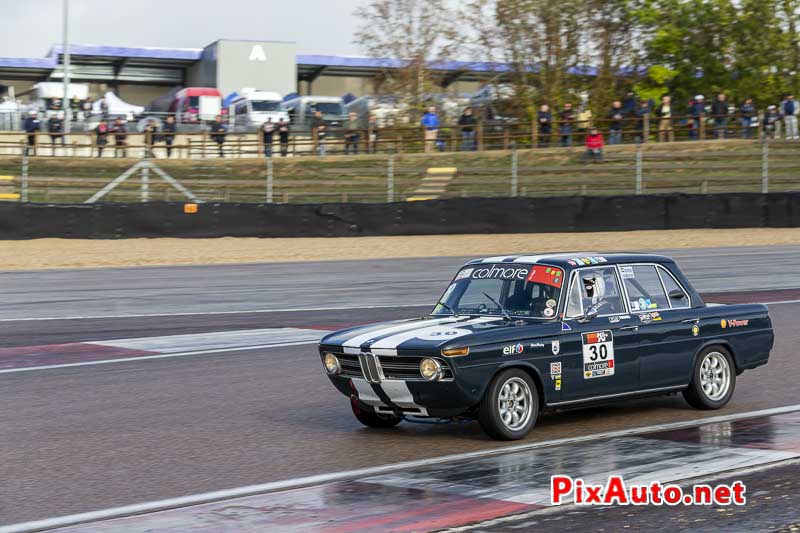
[370,418]
[510,406]
[713,380]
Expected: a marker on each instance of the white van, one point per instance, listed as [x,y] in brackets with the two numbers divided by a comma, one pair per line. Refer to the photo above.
[301,111]
[249,111]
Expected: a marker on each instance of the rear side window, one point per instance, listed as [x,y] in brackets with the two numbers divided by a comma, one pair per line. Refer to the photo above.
[671,285]
[645,292]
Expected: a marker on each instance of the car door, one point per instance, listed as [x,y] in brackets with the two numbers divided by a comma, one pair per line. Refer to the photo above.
[668,326]
[599,356]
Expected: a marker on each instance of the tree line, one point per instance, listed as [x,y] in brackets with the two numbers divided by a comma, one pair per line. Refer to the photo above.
[557,50]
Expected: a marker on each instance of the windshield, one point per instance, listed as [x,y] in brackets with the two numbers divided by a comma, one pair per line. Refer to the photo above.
[266,105]
[328,108]
[531,291]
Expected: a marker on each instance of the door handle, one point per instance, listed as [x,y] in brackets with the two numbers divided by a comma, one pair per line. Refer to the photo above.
[630,328]
[688,320]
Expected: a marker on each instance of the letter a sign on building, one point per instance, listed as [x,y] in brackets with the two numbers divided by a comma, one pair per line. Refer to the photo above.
[257,53]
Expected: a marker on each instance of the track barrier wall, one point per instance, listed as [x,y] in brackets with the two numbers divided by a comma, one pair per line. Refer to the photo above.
[447,216]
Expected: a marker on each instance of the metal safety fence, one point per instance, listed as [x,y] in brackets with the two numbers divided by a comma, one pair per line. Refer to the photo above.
[704,167]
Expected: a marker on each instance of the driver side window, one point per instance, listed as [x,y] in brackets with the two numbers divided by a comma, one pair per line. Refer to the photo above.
[595,287]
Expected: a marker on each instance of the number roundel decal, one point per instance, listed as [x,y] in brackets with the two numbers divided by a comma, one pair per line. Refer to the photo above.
[598,354]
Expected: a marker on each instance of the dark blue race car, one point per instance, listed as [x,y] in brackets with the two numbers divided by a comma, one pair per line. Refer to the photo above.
[514,335]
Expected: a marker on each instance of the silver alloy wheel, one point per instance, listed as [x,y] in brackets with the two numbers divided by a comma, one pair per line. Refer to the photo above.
[715,376]
[515,403]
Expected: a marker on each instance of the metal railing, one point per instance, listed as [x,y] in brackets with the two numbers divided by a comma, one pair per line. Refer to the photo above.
[703,167]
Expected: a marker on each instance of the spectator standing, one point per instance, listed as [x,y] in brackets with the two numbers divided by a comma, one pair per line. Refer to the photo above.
[629,104]
[87,109]
[594,145]
[267,136]
[430,125]
[318,131]
[372,127]
[283,137]
[55,127]
[643,120]
[169,131]
[150,137]
[789,111]
[747,114]
[352,134]
[218,132]
[544,120]
[101,131]
[75,107]
[32,127]
[467,121]
[120,131]
[664,114]
[615,117]
[584,118]
[771,120]
[566,120]
[697,109]
[720,111]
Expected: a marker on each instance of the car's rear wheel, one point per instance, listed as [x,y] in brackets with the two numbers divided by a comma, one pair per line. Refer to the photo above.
[510,406]
[367,416]
[713,380]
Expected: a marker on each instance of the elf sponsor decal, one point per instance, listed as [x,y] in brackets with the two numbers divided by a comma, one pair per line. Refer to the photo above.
[499,272]
[598,354]
[514,350]
[548,275]
[733,323]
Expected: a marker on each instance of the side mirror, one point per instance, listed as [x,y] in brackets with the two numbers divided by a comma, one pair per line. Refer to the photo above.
[676,294]
[590,315]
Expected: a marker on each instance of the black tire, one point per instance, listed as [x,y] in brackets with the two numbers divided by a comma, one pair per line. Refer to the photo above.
[702,392]
[490,412]
[370,418]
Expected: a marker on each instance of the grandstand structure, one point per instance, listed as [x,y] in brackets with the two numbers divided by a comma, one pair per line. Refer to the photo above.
[140,75]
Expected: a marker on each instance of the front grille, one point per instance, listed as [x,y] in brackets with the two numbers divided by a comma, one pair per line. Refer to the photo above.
[376,368]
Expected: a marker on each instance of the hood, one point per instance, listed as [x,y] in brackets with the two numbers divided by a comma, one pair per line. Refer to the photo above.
[430,335]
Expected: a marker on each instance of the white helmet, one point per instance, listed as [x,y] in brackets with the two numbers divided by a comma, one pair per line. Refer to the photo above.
[595,288]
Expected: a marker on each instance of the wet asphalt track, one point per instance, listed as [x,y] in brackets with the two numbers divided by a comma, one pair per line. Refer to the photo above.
[87,438]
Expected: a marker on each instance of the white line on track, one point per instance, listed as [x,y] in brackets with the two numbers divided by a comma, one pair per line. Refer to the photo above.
[203,313]
[257,311]
[208,497]
[159,356]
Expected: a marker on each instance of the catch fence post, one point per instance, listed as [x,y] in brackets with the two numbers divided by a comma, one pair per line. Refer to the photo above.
[145,191]
[514,170]
[269,180]
[638,168]
[390,178]
[765,167]
[24,179]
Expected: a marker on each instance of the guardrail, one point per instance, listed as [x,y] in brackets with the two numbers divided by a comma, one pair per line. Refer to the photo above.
[702,168]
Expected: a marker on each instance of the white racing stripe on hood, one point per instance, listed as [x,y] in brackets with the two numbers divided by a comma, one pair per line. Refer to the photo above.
[437,332]
[353,345]
[400,395]
[366,394]
[529,258]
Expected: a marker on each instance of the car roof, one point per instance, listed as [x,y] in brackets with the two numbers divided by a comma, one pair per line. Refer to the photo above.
[575,259]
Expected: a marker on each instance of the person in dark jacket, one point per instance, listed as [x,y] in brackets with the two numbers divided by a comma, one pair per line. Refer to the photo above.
[32,127]
[719,109]
[120,132]
[747,114]
[55,127]
[566,120]
[467,121]
[218,132]
[697,110]
[168,132]
[615,117]
[544,120]
[267,136]
[150,137]
[283,137]
[643,113]
[101,131]
[629,104]
[789,110]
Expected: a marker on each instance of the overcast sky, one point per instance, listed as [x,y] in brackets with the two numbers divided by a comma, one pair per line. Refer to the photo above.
[30,27]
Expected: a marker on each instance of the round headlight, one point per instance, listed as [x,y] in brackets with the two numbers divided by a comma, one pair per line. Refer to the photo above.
[431,369]
[332,365]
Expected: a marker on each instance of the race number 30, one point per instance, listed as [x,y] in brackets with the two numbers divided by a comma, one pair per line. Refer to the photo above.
[598,354]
